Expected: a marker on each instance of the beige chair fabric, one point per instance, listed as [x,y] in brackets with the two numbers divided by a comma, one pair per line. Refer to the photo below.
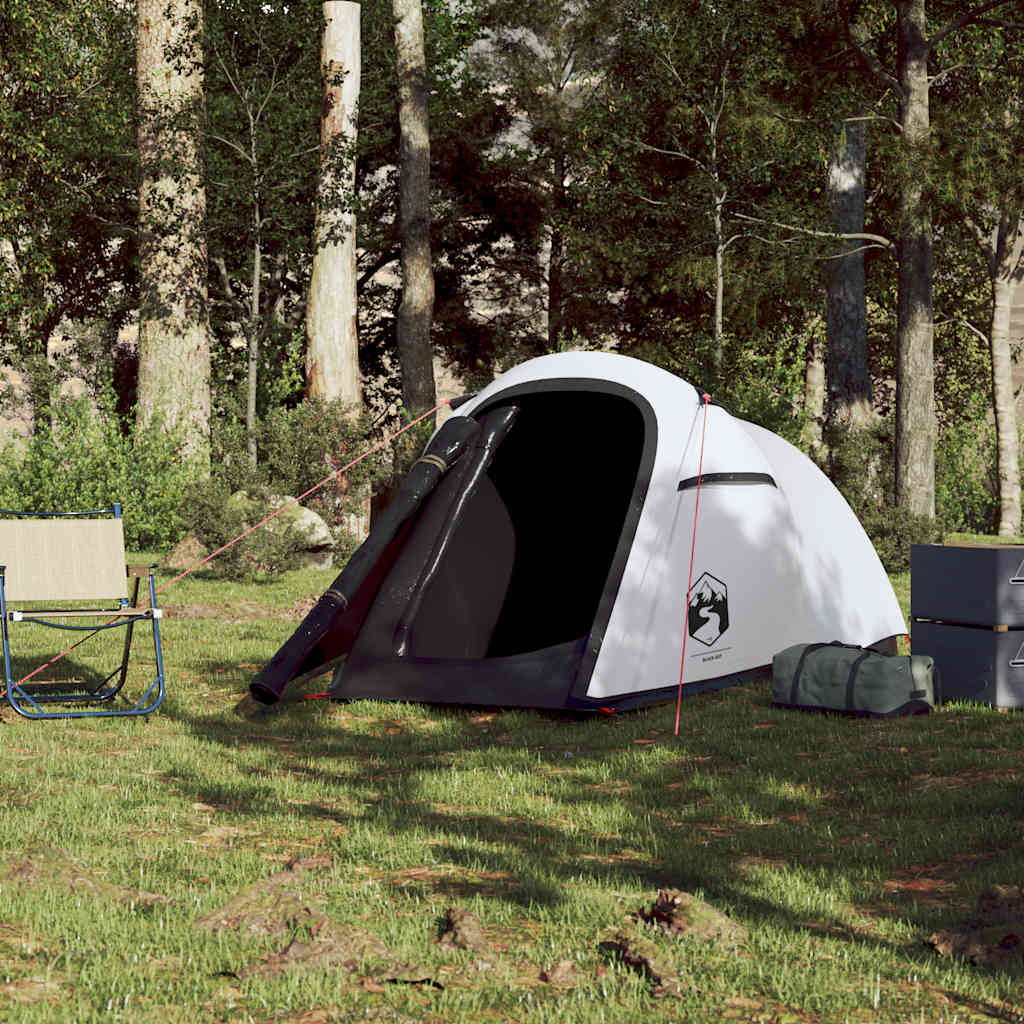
[63,559]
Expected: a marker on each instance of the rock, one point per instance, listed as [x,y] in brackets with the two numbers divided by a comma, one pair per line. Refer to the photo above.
[462,930]
[185,553]
[312,533]
[684,916]
[318,549]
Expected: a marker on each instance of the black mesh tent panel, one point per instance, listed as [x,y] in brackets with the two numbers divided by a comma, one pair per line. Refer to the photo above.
[507,616]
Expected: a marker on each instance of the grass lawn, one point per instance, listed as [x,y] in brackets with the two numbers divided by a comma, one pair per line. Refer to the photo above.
[199,866]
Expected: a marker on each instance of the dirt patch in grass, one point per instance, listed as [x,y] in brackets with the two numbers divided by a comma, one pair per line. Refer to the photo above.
[46,867]
[932,883]
[642,955]
[270,907]
[42,988]
[994,937]
[450,882]
[684,916]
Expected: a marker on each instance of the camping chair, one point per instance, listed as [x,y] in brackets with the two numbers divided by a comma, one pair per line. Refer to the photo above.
[50,564]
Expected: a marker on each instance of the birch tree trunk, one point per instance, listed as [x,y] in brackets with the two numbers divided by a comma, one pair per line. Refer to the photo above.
[332,352]
[915,370]
[417,307]
[1007,446]
[814,395]
[1003,249]
[174,345]
[556,255]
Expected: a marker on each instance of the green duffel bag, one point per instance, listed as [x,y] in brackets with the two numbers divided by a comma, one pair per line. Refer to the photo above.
[842,677]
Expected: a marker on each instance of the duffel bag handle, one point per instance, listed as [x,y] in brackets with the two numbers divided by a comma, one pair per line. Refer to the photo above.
[816,647]
[852,678]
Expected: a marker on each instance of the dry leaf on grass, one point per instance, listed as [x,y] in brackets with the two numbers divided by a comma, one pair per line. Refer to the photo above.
[462,930]
[684,916]
[644,956]
[564,974]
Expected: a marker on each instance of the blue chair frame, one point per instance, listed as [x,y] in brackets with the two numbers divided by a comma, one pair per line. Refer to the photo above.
[35,699]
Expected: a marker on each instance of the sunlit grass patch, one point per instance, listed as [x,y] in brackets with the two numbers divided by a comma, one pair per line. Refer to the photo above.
[839,844]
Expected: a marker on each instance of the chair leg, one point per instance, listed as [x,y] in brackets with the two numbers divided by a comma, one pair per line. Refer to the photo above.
[129,629]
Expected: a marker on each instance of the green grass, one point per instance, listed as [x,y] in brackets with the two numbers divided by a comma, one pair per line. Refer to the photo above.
[838,843]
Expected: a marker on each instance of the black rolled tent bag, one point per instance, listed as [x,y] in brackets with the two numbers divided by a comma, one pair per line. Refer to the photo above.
[858,680]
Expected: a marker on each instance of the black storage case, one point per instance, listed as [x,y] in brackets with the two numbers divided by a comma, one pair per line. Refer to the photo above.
[967,611]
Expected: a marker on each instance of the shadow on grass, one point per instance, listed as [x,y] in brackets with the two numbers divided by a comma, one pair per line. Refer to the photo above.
[798,821]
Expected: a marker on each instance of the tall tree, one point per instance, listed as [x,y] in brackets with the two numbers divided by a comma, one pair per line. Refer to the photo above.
[416,311]
[261,84]
[848,379]
[67,174]
[909,81]
[1001,241]
[174,346]
[693,139]
[332,352]
[981,133]
[548,59]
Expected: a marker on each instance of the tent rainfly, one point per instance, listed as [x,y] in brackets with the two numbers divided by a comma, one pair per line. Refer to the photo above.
[538,553]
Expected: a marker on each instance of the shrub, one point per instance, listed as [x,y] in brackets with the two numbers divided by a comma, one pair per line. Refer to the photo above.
[860,465]
[893,530]
[87,461]
[215,519]
[297,448]
[966,488]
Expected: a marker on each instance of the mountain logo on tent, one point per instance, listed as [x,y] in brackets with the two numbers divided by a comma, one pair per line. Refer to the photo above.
[1018,576]
[707,614]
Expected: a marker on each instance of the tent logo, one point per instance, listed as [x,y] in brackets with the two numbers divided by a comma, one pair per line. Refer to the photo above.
[707,613]
[1018,576]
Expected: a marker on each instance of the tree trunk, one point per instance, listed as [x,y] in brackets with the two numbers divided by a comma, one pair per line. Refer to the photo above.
[556,256]
[915,372]
[1003,250]
[814,396]
[332,353]
[848,380]
[174,345]
[252,372]
[1007,447]
[417,306]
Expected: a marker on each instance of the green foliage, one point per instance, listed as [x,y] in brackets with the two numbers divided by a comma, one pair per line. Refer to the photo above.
[966,488]
[298,448]
[761,378]
[86,461]
[216,515]
[67,177]
[893,530]
[860,466]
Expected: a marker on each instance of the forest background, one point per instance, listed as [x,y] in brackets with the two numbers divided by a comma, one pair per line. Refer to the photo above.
[814,210]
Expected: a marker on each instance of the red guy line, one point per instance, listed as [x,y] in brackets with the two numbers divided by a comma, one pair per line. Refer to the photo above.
[327,479]
[693,547]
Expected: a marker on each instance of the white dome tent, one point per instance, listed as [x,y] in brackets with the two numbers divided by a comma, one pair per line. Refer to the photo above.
[544,563]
